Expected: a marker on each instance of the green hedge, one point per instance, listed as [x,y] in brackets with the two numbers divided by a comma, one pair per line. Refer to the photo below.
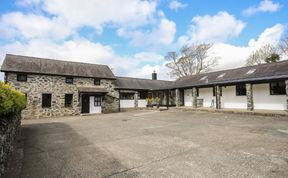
[11,100]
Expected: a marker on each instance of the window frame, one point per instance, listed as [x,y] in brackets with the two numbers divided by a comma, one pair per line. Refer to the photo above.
[97,81]
[21,75]
[126,96]
[44,104]
[97,101]
[66,99]
[241,90]
[67,80]
[271,89]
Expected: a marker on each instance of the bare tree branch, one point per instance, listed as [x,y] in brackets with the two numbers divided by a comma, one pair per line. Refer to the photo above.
[193,59]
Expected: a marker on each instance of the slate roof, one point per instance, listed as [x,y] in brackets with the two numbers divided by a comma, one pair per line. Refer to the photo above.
[26,64]
[140,84]
[253,74]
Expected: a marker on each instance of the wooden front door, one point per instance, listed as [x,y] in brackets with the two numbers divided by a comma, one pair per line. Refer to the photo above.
[85,104]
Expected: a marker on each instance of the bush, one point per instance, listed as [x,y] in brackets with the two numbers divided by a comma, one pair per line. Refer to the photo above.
[11,100]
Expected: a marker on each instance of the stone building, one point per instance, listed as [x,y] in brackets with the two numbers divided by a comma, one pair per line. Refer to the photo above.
[59,88]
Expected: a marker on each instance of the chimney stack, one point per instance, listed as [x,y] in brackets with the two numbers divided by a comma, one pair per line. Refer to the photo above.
[154,75]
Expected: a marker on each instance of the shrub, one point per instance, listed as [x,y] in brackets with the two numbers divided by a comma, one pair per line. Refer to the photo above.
[11,100]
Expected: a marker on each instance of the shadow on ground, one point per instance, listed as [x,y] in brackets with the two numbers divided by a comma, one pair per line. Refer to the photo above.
[56,150]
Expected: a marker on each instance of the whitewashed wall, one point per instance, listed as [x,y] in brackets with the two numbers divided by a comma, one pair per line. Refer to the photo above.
[127,103]
[142,103]
[207,95]
[188,97]
[263,99]
[94,109]
[230,100]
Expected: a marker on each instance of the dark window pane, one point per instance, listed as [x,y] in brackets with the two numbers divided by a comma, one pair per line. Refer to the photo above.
[277,88]
[97,100]
[69,80]
[22,77]
[214,91]
[68,100]
[97,81]
[143,94]
[127,96]
[46,100]
[241,90]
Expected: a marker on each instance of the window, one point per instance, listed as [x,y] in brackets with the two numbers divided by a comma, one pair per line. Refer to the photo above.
[69,80]
[143,94]
[241,90]
[46,100]
[203,78]
[127,96]
[277,88]
[68,100]
[22,77]
[97,100]
[97,81]
[251,71]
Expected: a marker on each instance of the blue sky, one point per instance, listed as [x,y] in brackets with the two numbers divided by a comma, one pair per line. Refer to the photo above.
[133,36]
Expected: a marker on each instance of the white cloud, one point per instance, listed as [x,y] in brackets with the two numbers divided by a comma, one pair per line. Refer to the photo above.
[176,4]
[82,50]
[162,34]
[218,28]
[264,6]
[19,25]
[235,56]
[269,36]
[98,13]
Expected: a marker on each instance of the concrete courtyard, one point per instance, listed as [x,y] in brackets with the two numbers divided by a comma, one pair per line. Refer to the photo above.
[152,144]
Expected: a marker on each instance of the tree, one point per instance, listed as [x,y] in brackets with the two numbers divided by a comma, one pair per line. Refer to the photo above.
[284,45]
[265,54]
[191,60]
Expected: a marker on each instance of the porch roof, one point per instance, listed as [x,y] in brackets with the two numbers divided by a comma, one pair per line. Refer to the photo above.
[92,90]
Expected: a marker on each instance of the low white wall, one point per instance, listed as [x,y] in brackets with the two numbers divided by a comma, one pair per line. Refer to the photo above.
[230,100]
[92,108]
[127,103]
[263,99]
[207,95]
[142,103]
[188,97]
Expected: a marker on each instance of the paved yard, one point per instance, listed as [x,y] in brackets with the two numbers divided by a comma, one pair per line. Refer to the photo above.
[153,144]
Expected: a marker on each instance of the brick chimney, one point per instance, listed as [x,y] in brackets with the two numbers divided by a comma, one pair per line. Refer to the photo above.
[154,75]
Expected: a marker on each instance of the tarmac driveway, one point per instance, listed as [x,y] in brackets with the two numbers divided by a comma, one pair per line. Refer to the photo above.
[153,144]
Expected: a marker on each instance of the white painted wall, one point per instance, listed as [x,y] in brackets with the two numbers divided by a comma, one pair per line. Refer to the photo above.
[263,99]
[188,97]
[207,95]
[230,100]
[127,103]
[142,103]
[94,109]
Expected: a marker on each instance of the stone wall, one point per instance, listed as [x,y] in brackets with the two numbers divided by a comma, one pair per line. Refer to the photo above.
[9,129]
[36,85]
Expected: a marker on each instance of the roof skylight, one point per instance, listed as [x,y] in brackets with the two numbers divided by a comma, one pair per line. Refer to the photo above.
[203,78]
[222,75]
[251,71]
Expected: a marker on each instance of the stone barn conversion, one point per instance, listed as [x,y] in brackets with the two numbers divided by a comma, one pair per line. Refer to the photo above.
[60,88]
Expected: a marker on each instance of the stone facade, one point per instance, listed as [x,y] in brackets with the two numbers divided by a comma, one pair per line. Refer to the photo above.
[286,83]
[249,93]
[218,97]
[10,127]
[194,97]
[177,99]
[136,98]
[36,85]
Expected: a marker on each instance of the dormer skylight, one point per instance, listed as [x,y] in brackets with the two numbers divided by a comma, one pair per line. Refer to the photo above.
[222,75]
[203,78]
[251,71]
